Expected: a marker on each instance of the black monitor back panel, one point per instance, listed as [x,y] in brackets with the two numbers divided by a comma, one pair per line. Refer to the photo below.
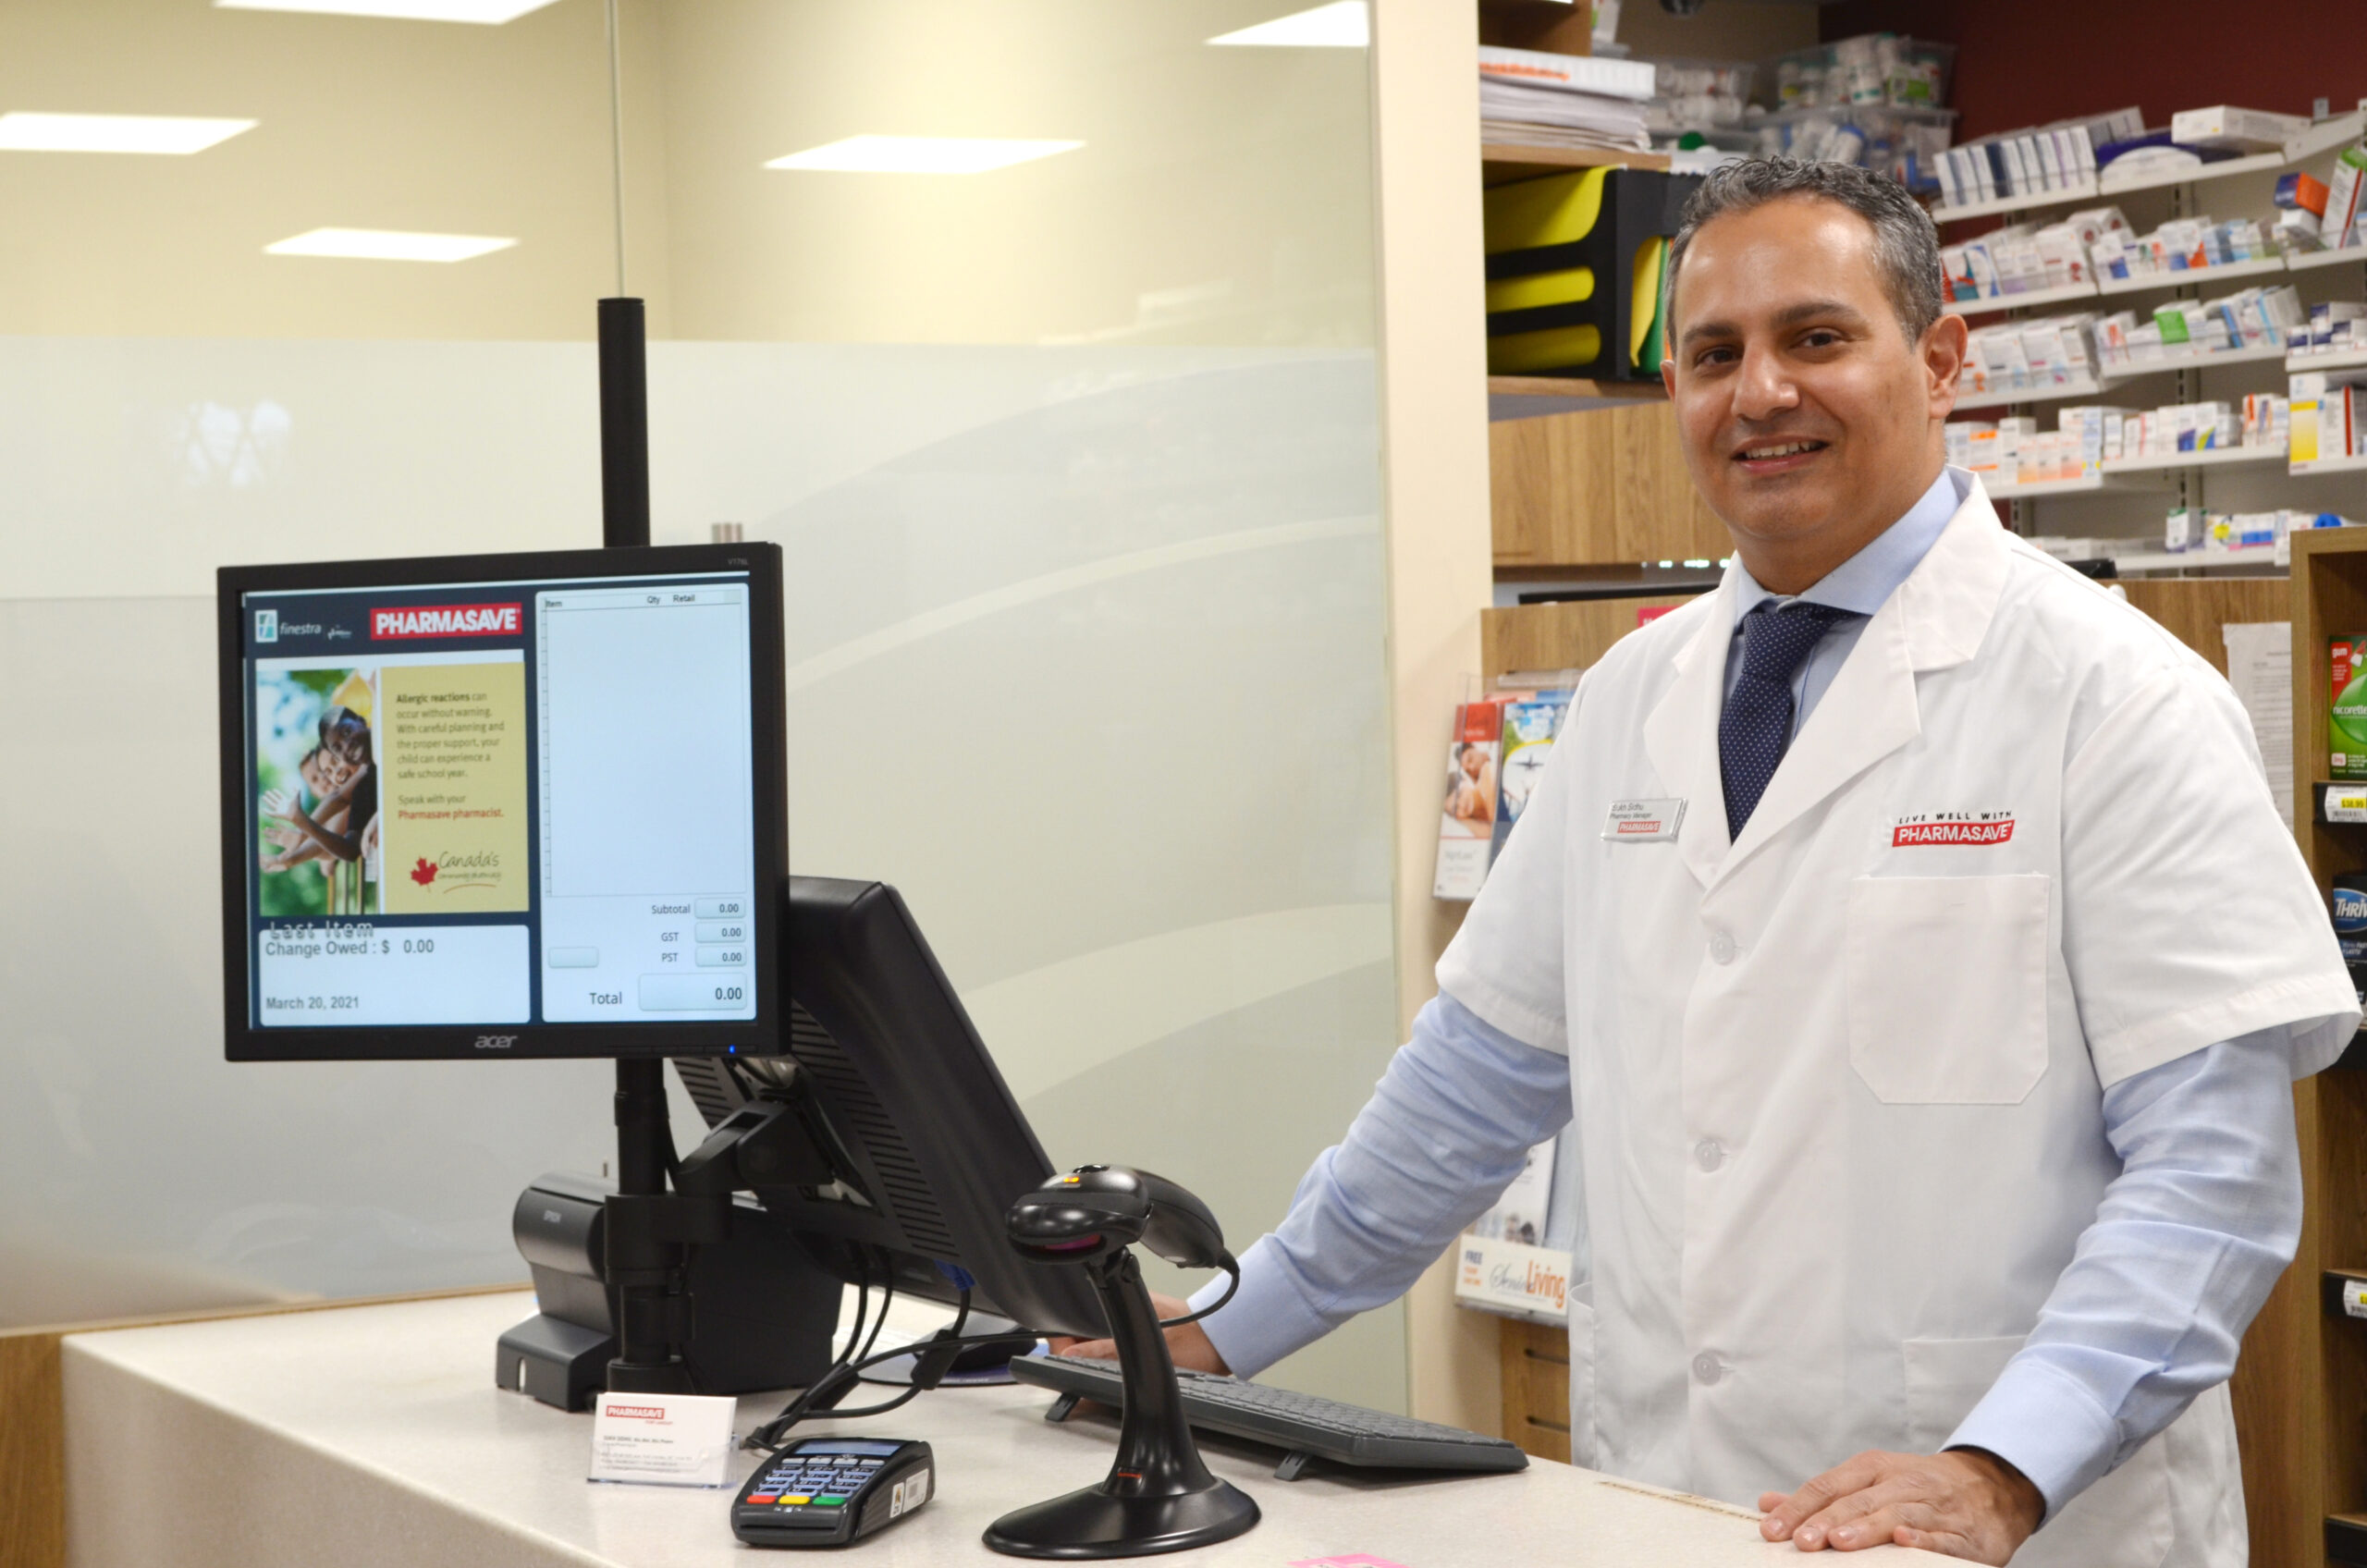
[899,1092]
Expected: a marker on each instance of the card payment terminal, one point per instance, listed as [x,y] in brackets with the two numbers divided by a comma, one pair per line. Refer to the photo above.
[829,1491]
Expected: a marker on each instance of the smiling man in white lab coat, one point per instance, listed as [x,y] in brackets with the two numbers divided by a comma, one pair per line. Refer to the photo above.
[1908,932]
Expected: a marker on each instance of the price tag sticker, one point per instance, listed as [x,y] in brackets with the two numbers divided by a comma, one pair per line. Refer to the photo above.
[2347,802]
[663,1439]
[2354,1298]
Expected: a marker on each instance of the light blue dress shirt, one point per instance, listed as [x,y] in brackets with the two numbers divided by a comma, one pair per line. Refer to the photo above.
[1859,585]
[2189,1237]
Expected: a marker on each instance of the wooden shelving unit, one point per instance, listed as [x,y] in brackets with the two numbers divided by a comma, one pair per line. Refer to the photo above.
[1537,1388]
[1536,397]
[2300,1385]
[1502,162]
[1559,502]
[1607,487]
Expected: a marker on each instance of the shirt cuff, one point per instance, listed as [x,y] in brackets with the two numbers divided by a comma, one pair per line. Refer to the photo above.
[1267,1318]
[2047,1426]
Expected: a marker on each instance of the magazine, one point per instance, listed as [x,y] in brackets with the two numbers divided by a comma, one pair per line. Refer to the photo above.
[1467,816]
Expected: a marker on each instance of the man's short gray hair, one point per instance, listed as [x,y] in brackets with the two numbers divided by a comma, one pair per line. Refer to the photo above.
[1907,244]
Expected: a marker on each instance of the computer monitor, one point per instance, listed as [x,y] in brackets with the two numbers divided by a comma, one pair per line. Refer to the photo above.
[912,1149]
[512,805]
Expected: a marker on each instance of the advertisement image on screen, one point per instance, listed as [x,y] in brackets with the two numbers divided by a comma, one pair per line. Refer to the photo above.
[532,808]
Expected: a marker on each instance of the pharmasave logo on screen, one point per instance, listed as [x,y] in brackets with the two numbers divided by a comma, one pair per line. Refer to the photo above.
[447,620]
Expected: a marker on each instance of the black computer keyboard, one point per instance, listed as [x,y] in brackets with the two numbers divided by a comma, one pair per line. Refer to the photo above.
[1304,1425]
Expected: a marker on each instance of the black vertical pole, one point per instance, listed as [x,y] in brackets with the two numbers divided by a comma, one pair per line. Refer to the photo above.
[645,1257]
[624,423]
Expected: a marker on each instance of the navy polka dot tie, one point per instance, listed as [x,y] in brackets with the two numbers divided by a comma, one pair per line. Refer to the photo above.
[1757,723]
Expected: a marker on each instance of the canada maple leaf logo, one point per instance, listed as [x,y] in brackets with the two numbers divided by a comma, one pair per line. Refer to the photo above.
[424,872]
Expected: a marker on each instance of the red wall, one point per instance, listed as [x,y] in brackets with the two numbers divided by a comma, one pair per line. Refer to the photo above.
[2024,62]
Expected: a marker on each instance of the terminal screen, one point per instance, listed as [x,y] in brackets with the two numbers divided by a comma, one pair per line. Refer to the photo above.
[501,803]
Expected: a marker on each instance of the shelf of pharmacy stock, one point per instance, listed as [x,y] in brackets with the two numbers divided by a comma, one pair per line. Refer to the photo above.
[2348,359]
[2183,277]
[2134,474]
[2122,375]
[2319,138]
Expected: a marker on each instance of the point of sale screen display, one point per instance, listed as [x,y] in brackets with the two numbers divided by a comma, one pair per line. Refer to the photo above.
[517,803]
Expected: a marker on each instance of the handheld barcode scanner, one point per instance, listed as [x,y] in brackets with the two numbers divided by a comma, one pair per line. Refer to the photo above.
[1099,1209]
[1158,1496]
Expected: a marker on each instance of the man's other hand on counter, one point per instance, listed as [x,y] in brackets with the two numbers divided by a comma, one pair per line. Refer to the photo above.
[1963,1504]
[1188,1345]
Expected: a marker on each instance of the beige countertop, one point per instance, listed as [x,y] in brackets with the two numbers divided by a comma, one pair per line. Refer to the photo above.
[375,1435]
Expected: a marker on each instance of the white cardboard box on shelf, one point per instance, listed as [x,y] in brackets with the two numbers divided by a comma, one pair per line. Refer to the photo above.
[2223,125]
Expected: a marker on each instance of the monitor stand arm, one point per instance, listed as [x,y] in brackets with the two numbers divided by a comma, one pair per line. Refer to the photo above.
[650,1232]
[1159,1496]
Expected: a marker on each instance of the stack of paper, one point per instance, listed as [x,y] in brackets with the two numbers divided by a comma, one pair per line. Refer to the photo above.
[1540,100]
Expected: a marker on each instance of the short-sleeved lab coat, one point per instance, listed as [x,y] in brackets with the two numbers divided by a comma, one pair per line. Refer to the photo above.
[1837,1083]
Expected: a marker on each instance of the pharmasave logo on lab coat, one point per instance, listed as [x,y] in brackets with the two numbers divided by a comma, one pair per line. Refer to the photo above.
[1960,827]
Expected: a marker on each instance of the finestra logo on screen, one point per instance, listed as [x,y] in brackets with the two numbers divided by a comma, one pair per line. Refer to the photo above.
[445,620]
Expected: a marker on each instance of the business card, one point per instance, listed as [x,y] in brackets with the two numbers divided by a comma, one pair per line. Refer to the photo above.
[663,1439]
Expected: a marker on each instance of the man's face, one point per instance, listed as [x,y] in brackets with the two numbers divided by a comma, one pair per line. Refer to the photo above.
[1802,403]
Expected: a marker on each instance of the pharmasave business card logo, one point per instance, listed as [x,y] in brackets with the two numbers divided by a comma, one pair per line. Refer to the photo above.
[446,621]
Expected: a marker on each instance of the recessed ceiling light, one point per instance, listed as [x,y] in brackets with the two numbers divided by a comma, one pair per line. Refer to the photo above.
[492,12]
[921,155]
[389,245]
[1341,25]
[21,131]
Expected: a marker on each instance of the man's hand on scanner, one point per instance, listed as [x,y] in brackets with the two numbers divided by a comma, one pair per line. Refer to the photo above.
[1188,1345]
[1964,1504]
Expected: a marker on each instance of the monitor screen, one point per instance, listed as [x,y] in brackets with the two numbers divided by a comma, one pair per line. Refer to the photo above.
[518,805]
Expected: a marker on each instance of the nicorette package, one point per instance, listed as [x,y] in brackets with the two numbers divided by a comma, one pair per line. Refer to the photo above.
[2347,720]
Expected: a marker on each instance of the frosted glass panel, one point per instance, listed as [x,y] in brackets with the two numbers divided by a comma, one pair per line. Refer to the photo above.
[1084,655]
[1097,683]
[138,465]
[1073,462]
[141,1171]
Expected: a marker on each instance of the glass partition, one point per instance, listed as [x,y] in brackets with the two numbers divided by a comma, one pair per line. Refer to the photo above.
[1040,335]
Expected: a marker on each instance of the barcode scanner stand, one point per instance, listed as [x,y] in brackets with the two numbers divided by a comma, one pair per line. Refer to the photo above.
[1159,1496]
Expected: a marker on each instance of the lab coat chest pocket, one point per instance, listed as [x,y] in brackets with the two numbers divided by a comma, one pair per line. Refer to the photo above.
[1947,983]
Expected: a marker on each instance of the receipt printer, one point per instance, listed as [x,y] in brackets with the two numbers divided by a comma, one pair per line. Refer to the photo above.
[762,1313]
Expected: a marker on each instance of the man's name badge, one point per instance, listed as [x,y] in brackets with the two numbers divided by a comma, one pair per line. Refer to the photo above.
[1644,822]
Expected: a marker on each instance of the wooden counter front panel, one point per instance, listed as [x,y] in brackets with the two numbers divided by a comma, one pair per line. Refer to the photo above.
[1537,1388]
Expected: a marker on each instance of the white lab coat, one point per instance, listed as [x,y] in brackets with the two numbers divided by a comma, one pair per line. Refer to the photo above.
[1837,1086]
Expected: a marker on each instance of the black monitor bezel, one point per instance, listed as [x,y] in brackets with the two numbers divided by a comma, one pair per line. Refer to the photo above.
[244,1041]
